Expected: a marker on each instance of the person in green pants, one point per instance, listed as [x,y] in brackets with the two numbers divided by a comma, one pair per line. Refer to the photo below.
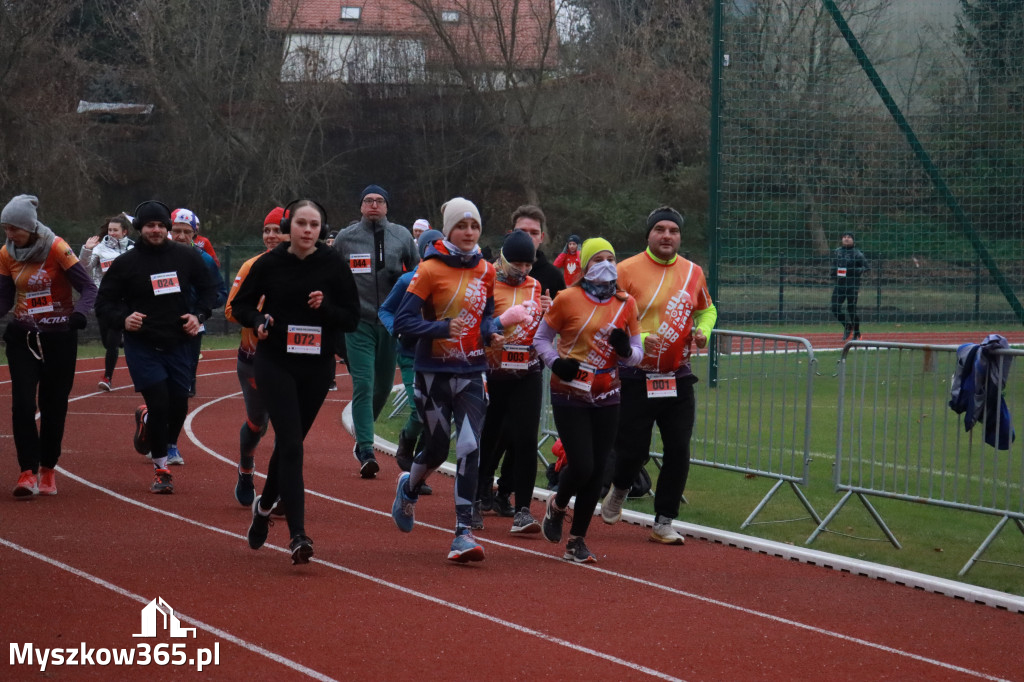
[378,252]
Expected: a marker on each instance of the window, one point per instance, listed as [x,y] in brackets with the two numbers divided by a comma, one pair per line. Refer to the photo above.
[450,16]
[350,13]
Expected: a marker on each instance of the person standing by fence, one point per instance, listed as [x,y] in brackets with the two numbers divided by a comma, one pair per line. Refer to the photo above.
[848,265]
[675,308]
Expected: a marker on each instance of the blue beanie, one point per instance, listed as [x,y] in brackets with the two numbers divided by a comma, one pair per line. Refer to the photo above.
[375,189]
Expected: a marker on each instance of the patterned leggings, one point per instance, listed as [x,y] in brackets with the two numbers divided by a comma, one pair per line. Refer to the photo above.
[440,396]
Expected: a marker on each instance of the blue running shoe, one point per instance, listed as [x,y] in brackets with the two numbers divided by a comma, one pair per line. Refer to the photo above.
[173,456]
[465,547]
[245,489]
[403,511]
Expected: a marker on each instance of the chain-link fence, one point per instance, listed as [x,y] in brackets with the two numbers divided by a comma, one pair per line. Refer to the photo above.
[897,120]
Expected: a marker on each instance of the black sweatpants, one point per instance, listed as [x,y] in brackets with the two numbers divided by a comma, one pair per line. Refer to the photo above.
[510,426]
[111,338]
[637,418]
[293,390]
[43,362]
[847,294]
[587,435]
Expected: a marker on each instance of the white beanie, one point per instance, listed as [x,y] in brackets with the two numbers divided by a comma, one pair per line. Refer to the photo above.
[21,212]
[457,209]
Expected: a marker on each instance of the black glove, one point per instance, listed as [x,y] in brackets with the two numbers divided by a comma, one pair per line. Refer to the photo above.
[78,320]
[565,369]
[620,342]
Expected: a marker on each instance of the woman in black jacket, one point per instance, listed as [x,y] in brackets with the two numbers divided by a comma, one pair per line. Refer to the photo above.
[308,296]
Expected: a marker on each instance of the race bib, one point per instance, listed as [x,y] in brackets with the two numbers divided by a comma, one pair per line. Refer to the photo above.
[584,379]
[515,357]
[359,263]
[165,283]
[39,302]
[105,264]
[661,386]
[840,272]
[303,340]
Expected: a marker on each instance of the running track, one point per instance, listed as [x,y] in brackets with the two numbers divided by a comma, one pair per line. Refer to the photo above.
[379,604]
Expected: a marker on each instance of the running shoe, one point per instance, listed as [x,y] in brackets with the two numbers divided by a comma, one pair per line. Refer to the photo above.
[27,485]
[524,523]
[465,547]
[104,384]
[664,533]
[332,387]
[173,456]
[576,550]
[47,481]
[502,505]
[141,440]
[403,510]
[552,524]
[611,506]
[245,490]
[302,549]
[368,466]
[162,482]
[260,526]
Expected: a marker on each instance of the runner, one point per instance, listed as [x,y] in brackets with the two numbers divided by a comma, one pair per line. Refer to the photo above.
[308,295]
[597,328]
[38,271]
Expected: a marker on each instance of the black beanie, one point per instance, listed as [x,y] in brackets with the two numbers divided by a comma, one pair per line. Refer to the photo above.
[664,213]
[848,234]
[518,247]
[574,238]
[375,189]
[148,211]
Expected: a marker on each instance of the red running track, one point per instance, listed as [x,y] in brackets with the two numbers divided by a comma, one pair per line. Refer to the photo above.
[380,604]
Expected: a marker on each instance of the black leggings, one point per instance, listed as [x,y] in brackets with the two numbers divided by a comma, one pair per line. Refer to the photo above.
[587,435]
[293,391]
[848,294]
[511,424]
[51,370]
[111,338]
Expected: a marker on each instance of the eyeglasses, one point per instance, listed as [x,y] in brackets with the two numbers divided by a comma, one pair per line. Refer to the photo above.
[369,201]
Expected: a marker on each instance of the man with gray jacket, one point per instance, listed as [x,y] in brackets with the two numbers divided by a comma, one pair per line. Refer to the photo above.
[377,252]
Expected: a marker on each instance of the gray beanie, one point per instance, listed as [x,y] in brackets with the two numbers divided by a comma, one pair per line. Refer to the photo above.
[21,212]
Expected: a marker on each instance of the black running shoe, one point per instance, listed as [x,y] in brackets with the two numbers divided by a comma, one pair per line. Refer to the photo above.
[368,466]
[577,551]
[552,524]
[502,505]
[302,549]
[260,526]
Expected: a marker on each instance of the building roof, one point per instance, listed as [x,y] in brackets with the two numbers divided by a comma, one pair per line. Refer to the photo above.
[521,35]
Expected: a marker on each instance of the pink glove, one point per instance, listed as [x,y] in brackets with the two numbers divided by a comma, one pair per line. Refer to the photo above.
[514,315]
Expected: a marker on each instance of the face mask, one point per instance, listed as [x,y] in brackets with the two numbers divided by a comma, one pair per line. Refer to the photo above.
[601,273]
[509,274]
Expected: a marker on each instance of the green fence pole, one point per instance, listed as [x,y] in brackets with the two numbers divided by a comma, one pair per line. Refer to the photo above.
[714,181]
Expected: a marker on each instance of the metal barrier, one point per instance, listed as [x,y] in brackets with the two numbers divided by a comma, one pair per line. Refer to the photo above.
[756,417]
[898,438]
[753,411]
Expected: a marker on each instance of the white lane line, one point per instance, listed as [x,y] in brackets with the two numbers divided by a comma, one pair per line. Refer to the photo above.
[647,583]
[248,646]
[487,617]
